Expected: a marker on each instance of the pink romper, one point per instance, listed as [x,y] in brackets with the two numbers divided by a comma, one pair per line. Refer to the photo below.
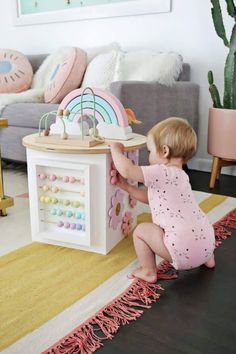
[188,234]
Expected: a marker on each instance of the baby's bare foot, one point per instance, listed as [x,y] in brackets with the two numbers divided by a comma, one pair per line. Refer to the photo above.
[211,263]
[148,275]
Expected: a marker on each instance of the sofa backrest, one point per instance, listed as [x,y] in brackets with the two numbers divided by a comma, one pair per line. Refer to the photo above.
[37,59]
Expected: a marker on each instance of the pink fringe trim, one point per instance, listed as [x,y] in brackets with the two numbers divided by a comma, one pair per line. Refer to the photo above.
[89,336]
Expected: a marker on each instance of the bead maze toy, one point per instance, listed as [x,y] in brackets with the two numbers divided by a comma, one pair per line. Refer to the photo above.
[109,119]
[74,201]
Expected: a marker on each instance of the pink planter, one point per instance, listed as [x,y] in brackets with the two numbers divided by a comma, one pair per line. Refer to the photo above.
[222,133]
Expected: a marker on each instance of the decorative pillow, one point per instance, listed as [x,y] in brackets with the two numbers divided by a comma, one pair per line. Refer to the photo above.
[103,70]
[147,65]
[92,52]
[15,71]
[66,75]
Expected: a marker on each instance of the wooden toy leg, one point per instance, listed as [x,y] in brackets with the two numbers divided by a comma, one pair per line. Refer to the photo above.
[215,171]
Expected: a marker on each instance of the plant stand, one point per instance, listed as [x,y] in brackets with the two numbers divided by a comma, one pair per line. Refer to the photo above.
[217,164]
[221,140]
[5,201]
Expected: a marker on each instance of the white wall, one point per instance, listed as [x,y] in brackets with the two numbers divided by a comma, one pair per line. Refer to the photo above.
[188,29]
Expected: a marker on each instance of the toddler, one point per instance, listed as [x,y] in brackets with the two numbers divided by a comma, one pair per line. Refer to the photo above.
[180,232]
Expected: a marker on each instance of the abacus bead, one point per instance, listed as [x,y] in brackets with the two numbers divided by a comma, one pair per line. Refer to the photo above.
[42,176]
[53,178]
[72,179]
[69,213]
[45,188]
[47,200]
[83,216]
[55,189]
[53,212]
[76,204]
[67,225]
[65,179]
[78,226]
[59,212]
[60,223]
[78,215]
[72,226]
[83,227]
[54,200]
[66,202]
[41,199]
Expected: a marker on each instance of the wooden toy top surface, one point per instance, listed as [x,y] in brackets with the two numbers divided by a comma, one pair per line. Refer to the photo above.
[138,141]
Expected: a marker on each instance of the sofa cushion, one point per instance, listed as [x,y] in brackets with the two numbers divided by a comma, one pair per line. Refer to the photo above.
[66,75]
[15,71]
[28,114]
[103,70]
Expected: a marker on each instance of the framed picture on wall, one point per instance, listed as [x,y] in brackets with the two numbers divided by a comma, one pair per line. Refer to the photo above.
[32,12]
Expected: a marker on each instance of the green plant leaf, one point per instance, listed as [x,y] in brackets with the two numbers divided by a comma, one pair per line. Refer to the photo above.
[229,73]
[231,8]
[218,21]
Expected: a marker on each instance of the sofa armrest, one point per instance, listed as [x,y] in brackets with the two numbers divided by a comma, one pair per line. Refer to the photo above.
[153,102]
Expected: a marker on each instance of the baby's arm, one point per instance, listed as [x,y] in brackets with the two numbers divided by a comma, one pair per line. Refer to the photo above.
[125,166]
[138,193]
[135,192]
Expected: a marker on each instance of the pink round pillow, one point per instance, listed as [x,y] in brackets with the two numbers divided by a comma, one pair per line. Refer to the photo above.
[66,76]
[15,71]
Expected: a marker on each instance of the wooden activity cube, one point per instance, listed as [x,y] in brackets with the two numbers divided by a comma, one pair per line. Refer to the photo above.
[72,202]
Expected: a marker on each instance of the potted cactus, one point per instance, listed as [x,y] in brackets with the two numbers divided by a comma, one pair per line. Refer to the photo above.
[222,117]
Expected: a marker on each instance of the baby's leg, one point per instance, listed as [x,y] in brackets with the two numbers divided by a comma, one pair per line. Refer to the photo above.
[148,241]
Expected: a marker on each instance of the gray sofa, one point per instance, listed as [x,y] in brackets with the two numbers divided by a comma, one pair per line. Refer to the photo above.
[151,102]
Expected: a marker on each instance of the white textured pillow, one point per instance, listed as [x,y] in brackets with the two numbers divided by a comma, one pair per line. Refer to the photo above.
[150,66]
[92,52]
[103,70]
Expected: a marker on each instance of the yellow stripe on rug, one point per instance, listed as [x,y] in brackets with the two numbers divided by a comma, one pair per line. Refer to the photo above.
[211,202]
[39,281]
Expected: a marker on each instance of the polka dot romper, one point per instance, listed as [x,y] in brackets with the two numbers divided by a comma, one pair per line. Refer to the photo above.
[188,234]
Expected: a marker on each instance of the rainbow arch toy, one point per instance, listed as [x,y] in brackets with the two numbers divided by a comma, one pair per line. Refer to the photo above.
[101,106]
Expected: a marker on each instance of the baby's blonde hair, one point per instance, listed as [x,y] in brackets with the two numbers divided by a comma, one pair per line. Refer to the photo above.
[177,134]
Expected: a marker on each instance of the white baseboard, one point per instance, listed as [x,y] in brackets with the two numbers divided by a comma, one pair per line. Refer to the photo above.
[200,164]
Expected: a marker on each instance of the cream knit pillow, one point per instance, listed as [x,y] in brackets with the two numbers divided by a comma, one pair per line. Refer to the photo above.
[103,70]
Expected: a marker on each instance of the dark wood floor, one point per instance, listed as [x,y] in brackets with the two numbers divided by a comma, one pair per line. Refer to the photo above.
[196,314]
[226,185]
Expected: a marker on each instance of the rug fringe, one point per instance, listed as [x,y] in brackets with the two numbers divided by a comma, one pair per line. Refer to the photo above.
[222,225]
[128,306]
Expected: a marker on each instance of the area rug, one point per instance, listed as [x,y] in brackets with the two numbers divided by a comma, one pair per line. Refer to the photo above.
[59,300]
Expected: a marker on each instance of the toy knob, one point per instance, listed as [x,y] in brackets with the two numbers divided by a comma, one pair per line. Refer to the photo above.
[46,132]
[60,112]
[64,136]
[66,112]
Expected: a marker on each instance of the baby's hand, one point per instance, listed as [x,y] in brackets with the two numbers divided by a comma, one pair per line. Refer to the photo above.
[117,147]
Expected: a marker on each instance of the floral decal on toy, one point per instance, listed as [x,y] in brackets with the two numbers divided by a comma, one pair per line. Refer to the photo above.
[127,222]
[115,212]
